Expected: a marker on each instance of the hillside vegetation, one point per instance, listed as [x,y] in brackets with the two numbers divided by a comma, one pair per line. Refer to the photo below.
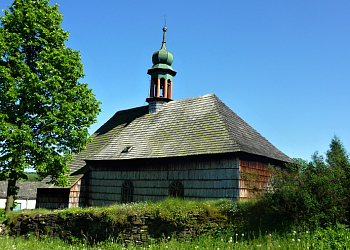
[31,176]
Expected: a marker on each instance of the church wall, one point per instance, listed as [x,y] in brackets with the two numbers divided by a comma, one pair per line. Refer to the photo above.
[77,194]
[254,176]
[210,178]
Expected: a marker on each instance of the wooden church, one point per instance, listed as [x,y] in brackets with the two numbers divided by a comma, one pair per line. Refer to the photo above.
[195,148]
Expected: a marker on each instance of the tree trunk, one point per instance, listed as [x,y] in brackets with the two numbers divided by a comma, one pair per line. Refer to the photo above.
[11,192]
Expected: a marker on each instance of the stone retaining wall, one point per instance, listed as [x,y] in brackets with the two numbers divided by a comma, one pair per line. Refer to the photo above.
[138,229]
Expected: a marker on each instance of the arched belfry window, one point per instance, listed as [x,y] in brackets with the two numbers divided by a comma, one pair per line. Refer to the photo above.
[127,192]
[176,189]
[162,87]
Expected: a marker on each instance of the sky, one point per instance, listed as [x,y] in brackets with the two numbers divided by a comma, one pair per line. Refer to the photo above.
[282,66]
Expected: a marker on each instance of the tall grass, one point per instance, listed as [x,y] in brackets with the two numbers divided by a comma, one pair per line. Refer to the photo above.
[337,237]
[250,235]
[170,209]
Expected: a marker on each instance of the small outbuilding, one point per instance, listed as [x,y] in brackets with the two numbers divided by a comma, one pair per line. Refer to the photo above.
[195,148]
[26,197]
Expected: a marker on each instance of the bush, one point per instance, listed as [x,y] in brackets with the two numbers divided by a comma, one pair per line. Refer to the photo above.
[2,215]
[313,193]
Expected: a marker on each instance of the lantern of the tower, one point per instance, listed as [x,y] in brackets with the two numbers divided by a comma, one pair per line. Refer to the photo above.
[161,78]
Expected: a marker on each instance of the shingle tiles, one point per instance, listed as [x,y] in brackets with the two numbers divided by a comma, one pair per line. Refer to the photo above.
[192,126]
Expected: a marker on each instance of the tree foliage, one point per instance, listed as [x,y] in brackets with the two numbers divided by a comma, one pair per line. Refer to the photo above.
[315,192]
[45,112]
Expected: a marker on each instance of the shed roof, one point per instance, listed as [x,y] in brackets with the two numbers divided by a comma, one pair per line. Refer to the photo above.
[27,189]
[192,126]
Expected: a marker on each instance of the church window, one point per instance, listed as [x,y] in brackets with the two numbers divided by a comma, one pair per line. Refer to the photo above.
[127,192]
[176,189]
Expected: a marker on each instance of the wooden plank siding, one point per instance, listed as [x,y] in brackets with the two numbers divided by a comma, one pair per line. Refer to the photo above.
[52,198]
[77,194]
[212,179]
[254,177]
[203,177]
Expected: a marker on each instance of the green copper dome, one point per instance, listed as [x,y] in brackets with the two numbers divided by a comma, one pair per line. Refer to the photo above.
[162,61]
[163,56]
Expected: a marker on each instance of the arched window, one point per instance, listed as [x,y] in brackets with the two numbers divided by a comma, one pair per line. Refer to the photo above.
[176,189]
[127,192]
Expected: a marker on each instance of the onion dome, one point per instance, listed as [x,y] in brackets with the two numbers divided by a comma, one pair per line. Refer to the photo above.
[162,58]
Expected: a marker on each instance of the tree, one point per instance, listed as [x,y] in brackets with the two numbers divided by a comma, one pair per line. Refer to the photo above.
[315,192]
[45,112]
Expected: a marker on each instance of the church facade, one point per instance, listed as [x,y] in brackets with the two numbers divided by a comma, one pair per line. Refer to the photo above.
[195,148]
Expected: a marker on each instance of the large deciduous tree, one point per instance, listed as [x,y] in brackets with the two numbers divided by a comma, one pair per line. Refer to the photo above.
[45,112]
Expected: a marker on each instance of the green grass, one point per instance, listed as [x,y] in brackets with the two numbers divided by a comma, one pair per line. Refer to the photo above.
[245,236]
[171,209]
[337,237]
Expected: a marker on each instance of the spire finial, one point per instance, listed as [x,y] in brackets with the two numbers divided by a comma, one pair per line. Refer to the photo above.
[164,29]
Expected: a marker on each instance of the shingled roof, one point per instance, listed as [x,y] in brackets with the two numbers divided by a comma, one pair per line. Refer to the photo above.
[27,189]
[193,126]
[100,139]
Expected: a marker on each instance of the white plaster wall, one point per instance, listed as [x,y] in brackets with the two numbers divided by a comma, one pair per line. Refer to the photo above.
[2,203]
[25,204]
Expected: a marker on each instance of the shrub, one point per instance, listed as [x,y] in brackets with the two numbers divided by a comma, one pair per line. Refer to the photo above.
[314,193]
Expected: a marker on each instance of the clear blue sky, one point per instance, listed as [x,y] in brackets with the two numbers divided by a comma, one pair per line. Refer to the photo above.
[283,66]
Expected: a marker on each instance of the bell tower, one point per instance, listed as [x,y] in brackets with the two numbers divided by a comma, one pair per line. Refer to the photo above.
[161,78]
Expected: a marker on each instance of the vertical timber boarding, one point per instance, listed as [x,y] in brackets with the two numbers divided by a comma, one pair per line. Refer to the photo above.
[204,179]
[254,177]
[76,195]
[52,198]
[59,198]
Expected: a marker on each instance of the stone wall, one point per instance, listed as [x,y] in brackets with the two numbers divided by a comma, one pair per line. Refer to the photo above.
[137,229]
